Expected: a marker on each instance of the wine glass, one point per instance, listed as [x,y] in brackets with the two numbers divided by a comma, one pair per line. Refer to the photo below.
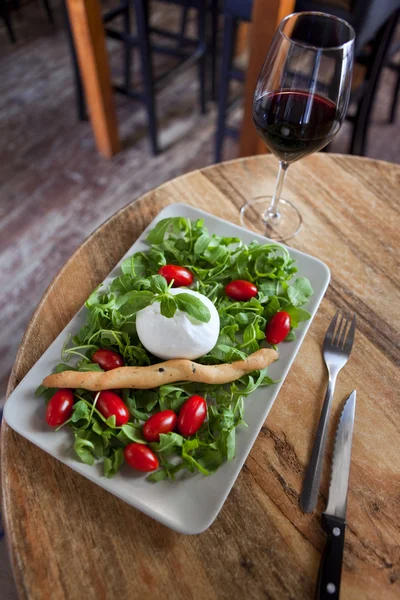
[299,105]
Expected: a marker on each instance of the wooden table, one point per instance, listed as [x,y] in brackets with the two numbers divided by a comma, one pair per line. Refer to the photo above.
[70,539]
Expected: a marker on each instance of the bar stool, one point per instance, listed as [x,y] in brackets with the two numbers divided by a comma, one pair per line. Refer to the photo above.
[187,50]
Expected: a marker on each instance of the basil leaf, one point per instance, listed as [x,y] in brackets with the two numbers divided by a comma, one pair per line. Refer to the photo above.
[193,306]
[158,284]
[136,301]
[168,306]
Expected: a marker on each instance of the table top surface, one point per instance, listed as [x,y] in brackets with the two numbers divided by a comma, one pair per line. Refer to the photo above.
[70,539]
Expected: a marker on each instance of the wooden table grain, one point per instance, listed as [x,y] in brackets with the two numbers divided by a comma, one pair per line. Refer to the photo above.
[69,539]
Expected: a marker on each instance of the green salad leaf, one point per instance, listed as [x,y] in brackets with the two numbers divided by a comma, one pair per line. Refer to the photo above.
[111,324]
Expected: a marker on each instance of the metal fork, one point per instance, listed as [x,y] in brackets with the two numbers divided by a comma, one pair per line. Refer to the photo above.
[337,346]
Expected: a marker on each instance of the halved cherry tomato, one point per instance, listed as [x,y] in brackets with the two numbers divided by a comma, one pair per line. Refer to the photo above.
[240,289]
[180,275]
[161,422]
[107,359]
[59,409]
[140,457]
[192,415]
[110,404]
[278,327]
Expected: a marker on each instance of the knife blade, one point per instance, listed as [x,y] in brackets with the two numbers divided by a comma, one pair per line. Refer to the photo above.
[333,519]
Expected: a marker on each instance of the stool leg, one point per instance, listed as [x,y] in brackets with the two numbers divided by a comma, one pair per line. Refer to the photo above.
[147,71]
[80,97]
[227,54]
[201,26]
[393,108]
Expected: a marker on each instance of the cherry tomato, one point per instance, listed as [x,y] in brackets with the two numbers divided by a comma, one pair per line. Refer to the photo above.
[59,409]
[140,457]
[192,415]
[180,275]
[278,327]
[161,422]
[107,359]
[110,404]
[240,289]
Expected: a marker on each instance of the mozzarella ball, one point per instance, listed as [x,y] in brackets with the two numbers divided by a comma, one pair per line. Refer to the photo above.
[180,336]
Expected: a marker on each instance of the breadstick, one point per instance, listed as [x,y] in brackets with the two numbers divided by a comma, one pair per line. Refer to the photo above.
[144,378]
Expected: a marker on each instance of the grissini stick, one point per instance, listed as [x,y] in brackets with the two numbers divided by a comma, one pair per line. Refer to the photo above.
[170,371]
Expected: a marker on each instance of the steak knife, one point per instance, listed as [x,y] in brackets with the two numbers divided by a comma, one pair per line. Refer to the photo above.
[334,517]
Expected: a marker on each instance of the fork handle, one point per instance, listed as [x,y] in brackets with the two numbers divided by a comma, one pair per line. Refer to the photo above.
[312,479]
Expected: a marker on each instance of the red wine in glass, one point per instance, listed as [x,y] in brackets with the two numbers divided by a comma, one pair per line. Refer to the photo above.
[299,105]
[294,123]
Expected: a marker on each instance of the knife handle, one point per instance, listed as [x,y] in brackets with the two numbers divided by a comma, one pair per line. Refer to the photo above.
[328,587]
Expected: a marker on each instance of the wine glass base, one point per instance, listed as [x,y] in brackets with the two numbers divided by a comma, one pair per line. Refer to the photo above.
[282,226]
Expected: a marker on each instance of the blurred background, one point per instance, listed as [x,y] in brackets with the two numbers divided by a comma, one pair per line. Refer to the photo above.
[178,71]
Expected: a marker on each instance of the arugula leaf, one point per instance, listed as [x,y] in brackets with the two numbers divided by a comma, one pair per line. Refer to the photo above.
[201,243]
[168,442]
[297,315]
[300,292]
[193,306]
[111,324]
[80,415]
[84,449]
[157,234]
[112,463]
[130,433]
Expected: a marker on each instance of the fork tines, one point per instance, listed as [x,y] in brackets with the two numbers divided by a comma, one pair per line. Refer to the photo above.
[340,333]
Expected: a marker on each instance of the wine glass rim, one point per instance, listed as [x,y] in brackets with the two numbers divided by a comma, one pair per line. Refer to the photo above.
[319,14]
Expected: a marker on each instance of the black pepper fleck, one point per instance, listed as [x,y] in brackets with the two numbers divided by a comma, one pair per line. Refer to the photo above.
[161,370]
[193,369]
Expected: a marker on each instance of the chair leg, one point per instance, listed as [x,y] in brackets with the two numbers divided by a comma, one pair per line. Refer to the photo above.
[227,54]
[147,71]
[80,96]
[127,49]
[214,47]
[5,15]
[381,47]
[182,27]
[202,60]
[393,108]
[49,11]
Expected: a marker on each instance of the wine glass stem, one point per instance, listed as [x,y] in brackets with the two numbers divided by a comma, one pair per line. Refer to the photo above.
[272,211]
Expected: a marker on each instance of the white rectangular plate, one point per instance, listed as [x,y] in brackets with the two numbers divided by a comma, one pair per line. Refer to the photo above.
[189,505]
